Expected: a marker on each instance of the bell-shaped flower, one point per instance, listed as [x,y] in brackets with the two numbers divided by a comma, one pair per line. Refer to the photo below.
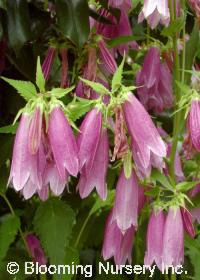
[96,177]
[36,250]
[63,144]
[187,222]
[125,211]
[116,244]
[48,61]
[35,130]
[194,124]
[116,29]
[120,4]
[155,11]
[173,238]
[146,141]
[24,165]
[107,61]
[154,83]
[53,179]
[88,138]
[155,239]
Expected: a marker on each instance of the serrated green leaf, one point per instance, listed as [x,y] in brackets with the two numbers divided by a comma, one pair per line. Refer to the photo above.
[161,178]
[99,88]
[8,230]
[77,109]
[26,89]
[61,92]
[117,77]
[185,186]
[53,222]
[40,81]
[9,129]
[174,27]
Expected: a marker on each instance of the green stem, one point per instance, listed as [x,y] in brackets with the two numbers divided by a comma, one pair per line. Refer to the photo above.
[20,230]
[82,229]
[177,77]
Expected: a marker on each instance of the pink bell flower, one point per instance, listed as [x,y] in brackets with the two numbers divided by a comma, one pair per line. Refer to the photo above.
[24,166]
[116,244]
[155,11]
[107,61]
[146,141]
[88,138]
[173,238]
[154,83]
[194,124]
[48,61]
[63,144]
[35,131]
[36,250]
[96,177]
[125,211]
[155,239]
[120,4]
[187,222]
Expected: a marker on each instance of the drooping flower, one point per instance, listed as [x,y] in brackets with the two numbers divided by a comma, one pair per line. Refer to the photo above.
[155,239]
[125,211]
[187,222]
[173,238]
[155,11]
[154,83]
[47,64]
[194,124]
[63,144]
[24,166]
[120,4]
[96,177]
[88,138]
[89,72]
[115,29]
[147,146]
[36,250]
[107,61]
[116,244]
[35,131]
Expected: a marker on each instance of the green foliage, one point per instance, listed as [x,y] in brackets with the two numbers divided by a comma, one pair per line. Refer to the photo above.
[8,230]
[73,19]
[117,77]
[78,108]
[18,24]
[26,89]
[53,223]
[175,27]
[9,129]
[99,88]
[40,81]
[61,92]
